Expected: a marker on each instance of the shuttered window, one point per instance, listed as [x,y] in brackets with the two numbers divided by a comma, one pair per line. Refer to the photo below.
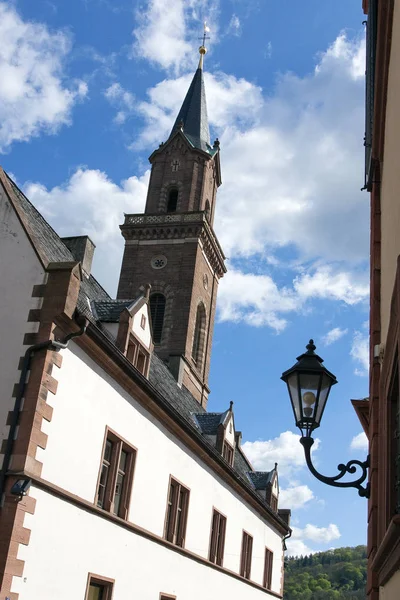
[116,476]
[227,452]
[157,311]
[268,562]
[217,540]
[274,503]
[177,512]
[245,559]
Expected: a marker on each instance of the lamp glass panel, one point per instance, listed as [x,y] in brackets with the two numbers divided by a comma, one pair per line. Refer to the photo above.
[294,395]
[323,396]
[309,385]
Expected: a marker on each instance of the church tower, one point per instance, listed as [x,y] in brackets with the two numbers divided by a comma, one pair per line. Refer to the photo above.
[173,247]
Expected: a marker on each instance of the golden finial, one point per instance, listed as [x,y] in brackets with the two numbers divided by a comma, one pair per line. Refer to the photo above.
[203,49]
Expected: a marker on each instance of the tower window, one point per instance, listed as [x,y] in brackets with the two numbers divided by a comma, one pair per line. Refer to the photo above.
[199,334]
[208,209]
[157,311]
[172,200]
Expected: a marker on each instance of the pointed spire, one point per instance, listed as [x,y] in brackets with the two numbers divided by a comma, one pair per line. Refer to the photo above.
[192,118]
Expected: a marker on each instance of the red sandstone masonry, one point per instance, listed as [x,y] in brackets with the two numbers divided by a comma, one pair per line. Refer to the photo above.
[59,300]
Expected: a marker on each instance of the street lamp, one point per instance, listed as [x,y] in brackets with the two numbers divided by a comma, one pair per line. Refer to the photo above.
[309,384]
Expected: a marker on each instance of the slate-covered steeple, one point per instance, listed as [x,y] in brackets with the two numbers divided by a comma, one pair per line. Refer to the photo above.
[192,117]
[173,247]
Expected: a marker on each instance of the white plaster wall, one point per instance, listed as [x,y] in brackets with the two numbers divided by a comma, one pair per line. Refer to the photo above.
[230,435]
[67,543]
[144,335]
[86,401]
[20,270]
[112,328]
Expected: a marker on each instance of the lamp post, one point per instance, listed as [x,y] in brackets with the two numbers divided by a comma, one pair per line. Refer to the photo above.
[309,384]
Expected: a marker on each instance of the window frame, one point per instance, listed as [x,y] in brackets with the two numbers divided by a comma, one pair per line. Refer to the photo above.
[119,445]
[174,531]
[274,503]
[246,555]
[228,452]
[217,541]
[268,567]
[152,318]
[106,582]
[199,335]
[172,202]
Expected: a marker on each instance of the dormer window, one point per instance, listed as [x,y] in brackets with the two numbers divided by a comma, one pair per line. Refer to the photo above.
[137,355]
[227,452]
[172,200]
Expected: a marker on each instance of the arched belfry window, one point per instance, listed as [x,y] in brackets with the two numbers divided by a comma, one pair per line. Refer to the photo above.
[172,200]
[199,334]
[207,209]
[157,311]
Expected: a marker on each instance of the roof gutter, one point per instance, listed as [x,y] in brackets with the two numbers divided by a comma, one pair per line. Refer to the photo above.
[26,365]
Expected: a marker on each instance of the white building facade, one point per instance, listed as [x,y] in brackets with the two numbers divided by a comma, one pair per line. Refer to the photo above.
[116,482]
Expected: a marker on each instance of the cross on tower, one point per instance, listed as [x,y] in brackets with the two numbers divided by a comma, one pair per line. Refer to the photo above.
[175,165]
[205,36]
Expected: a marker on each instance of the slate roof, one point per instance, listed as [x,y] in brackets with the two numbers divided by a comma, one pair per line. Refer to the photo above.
[109,311]
[43,235]
[193,114]
[260,479]
[208,422]
[93,296]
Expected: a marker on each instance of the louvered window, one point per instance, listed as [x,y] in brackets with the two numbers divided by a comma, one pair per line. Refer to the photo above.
[199,335]
[369,86]
[172,200]
[157,311]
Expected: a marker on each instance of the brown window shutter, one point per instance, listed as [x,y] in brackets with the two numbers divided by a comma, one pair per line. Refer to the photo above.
[181,534]
[171,510]
[214,535]
[268,562]
[221,541]
[249,553]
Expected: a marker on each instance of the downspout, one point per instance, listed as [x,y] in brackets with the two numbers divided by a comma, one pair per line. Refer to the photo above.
[30,352]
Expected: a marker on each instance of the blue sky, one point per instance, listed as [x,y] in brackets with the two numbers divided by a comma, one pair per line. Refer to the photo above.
[91,87]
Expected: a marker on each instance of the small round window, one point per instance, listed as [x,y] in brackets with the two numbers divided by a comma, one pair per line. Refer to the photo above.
[158,262]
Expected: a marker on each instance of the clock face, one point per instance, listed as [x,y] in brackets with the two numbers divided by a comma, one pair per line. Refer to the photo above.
[158,262]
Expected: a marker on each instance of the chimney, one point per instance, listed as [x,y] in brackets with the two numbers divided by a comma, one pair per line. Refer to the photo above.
[82,249]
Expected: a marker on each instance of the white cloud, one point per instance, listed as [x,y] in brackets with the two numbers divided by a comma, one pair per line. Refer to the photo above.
[359,442]
[33,94]
[123,100]
[234,27]
[295,496]
[333,336]
[360,353]
[232,100]
[90,203]
[322,535]
[298,548]
[258,301]
[165,31]
[284,450]
[291,161]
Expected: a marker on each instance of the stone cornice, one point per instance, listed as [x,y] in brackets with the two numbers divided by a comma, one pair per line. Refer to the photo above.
[176,226]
